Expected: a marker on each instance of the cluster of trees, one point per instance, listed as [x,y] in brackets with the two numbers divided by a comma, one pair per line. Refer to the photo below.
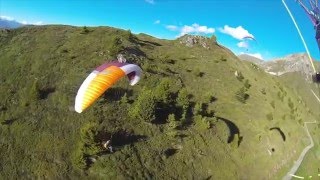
[177,111]
[242,94]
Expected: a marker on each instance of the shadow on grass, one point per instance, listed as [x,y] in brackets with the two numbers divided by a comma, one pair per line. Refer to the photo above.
[44,92]
[8,121]
[124,137]
[144,43]
[170,152]
[116,93]
[233,129]
[135,51]
[283,136]
[119,138]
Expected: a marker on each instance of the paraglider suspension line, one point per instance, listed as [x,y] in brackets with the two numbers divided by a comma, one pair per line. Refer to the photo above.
[304,43]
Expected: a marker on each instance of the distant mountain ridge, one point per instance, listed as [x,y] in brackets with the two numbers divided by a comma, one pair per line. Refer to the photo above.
[9,24]
[291,63]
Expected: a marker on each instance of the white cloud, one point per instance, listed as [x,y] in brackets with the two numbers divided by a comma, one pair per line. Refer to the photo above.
[172,27]
[238,32]
[149,1]
[243,44]
[38,23]
[7,18]
[21,22]
[157,22]
[196,28]
[257,55]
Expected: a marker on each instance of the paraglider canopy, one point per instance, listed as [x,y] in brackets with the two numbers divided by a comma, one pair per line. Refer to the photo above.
[249,37]
[246,40]
[101,79]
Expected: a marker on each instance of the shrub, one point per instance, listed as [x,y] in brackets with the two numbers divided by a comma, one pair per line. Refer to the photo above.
[147,67]
[223,58]
[183,119]
[254,66]
[209,98]
[273,104]
[85,30]
[130,36]
[182,99]
[280,96]
[197,72]
[34,93]
[290,104]
[197,109]
[172,133]
[88,133]
[65,51]
[269,116]
[144,107]
[201,123]
[162,91]
[241,95]
[240,76]
[247,84]
[280,87]
[76,156]
[124,99]
[116,46]
[85,145]
[284,93]
[173,124]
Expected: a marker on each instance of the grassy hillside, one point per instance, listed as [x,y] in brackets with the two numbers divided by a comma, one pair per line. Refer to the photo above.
[310,166]
[297,83]
[190,116]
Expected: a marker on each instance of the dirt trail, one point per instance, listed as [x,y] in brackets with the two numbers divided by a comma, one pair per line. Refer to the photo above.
[297,163]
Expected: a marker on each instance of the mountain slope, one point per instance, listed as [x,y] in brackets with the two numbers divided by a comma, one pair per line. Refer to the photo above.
[190,116]
[294,71]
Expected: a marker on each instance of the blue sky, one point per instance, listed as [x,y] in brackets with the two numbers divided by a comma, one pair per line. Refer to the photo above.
[230,20]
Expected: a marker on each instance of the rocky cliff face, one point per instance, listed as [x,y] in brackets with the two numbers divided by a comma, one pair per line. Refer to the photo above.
[193,40]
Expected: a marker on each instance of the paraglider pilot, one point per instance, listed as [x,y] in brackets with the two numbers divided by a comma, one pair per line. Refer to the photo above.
[107,145]
[316,77]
